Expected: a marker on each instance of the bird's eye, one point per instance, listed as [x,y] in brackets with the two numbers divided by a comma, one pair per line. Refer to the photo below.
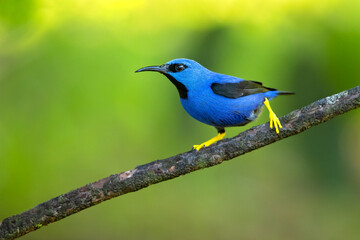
[177,67]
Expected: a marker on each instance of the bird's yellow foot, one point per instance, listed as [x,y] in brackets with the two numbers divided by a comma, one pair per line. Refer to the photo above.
[209,142]
[274,120]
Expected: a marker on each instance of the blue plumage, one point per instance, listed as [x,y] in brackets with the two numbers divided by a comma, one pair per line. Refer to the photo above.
[215,99]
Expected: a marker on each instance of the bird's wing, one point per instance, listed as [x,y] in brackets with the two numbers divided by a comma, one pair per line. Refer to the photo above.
[239,89]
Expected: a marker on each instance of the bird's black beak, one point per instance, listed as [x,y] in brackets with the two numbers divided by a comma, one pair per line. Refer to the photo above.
[161,69]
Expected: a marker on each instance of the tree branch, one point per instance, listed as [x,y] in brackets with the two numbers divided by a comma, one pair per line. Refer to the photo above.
[162,170]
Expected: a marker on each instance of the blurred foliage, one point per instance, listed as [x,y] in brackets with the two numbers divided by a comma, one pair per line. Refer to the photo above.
[72,111]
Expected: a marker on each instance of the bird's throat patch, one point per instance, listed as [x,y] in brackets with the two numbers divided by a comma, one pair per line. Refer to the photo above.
[180,87]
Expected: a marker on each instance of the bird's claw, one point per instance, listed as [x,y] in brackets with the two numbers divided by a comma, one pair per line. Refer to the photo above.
[274,122]
[209,142]
[198,147]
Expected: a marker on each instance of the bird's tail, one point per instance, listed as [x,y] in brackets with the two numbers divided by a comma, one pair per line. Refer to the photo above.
[285,93]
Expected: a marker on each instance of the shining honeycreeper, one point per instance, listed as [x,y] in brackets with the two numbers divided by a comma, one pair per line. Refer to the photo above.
[216,99]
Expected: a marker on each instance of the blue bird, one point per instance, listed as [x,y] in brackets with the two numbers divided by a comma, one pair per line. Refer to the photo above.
[216,99]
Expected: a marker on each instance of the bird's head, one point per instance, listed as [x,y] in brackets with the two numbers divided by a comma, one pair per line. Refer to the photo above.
[183,73]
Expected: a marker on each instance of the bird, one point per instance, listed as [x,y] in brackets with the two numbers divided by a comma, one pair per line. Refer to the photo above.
[217,99]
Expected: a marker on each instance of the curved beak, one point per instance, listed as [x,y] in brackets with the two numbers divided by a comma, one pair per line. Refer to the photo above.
[161,69]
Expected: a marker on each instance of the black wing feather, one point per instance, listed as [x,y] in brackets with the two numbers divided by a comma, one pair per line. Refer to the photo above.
[239,89]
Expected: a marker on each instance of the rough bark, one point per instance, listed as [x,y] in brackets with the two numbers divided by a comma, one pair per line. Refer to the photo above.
[161,170]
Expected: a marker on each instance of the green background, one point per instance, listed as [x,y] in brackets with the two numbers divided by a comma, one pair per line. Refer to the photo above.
[72,111]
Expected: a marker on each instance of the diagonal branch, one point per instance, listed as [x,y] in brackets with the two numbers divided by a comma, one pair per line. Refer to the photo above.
[162,170]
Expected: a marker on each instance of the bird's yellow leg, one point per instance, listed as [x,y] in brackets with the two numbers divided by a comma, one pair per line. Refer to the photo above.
[274,121]
[209,142]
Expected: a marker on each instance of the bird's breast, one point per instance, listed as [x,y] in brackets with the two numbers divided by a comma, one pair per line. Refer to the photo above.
[215,110]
